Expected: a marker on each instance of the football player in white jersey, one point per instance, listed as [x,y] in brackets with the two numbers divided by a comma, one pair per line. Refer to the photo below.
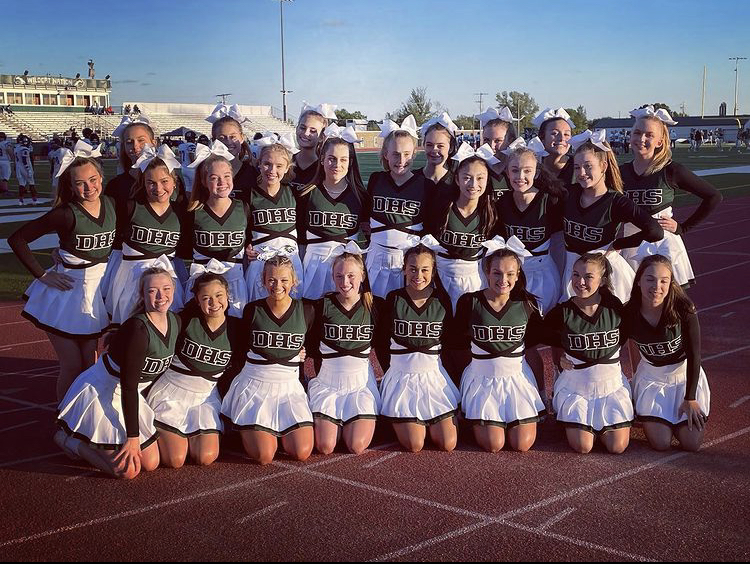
[186,152]
[6,153]
[24,167]
[55,158]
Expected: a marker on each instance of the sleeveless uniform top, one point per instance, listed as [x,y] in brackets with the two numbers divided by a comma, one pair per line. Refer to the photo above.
[334,219]
[534,225]
[651,192]
[416,329]
[341,332]
[498,183]
[150,234]
[587,229]
[302,176]
[91,238]
[397,207]
[217,237]
[461,236]
[272,217]
[494,334]
[592,340]
[272,340]
[202,352]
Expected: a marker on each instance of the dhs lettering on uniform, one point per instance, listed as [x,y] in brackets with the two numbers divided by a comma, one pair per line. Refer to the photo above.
[594,341]
[665,348]
[347,332]
[95,242]
[419,329]
[504,333]
[342,220]
[205,354]
[527,234]
[149,236]
[274,216]
[219,239]
[457,239]
[385,204]
[583,232]
[277,340]
[649,197]
[155,366]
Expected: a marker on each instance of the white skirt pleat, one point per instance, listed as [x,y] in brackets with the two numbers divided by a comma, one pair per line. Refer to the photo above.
[186,405]
[459,277]
[318,270]
[385,269]
[658,392]
[542,280]
[237,289]
[344,390]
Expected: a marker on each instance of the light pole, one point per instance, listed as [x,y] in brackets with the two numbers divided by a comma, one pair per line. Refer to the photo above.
[284,91]
[736,78]
[480,94]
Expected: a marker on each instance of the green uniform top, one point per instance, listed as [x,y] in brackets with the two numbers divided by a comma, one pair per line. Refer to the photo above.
[651,192]
[150,234]
[200,351]
[92,237]
[460,235]
[272,217]
[397,207]
[325,218]
[272,340]
[217,237]
[338,332]
[534,225]
[498,183]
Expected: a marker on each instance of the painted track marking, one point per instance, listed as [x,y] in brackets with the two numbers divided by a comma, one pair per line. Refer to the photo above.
[720,243]
[12,345]
[739,402]
[727,314]
[28,403]
[709,308]
[19,426]
[735,265]
[382,459]
[262,512]
[725,353]
[556,519]
[32,459]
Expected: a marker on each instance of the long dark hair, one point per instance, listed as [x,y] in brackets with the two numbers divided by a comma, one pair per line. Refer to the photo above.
[612,177]
[353,177]
[545,181]
[601,261]
[452,147]
[677,304]
[245,148]
[486,204]
[65,192]
[519,292]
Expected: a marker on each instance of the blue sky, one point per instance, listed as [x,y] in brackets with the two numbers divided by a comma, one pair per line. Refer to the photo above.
[366,55]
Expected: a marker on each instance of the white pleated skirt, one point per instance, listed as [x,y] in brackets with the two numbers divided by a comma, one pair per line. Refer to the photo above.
[237,288]
[417,389]
[92,410]
[113,263]
[267,398]
[318,269]
[459,276]
[186,405]
[500,391]
[623,275]
[542,280]
[344,390]
[78,313]
[658,392]
[595,399]
[385,269]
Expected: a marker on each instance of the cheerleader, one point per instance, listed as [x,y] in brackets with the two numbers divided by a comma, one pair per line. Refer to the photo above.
[344,396]
[499,393]
[134,135]
[266,400]
[398,205]
[592,396]
[273,214]
[411,332]
[595,209]
[532,212]
[439,141]
[462,223]
[332,209]
[66,301]
[104,418]
[555,130]
[148,231]
[215,223]
[226,126]
[186,400]
[650,180]
[498,132]
[670,389]
[309,132]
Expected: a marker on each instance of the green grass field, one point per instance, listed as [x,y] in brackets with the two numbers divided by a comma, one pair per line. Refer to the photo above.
[15,278]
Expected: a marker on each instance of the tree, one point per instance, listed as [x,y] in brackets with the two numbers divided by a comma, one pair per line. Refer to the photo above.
[521,104]
[342,115]
[466,122]
[372,125]
[418,105]
[660,105]
[578,116]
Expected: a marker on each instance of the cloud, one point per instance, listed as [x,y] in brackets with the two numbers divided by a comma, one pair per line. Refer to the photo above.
[333,23]
[145,84]
[150,74]
[124,81]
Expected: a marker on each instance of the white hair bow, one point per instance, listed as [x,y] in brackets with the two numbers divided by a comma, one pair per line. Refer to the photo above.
[222,110]
[149,154]
[162,262]
[443,119]
[661,114]
[491,113]
[81,149]
[513,243]
[484,152]
[534,145]
[287,140]
[267,253]
[127,120]
[549,113]
[351,247]
[414,240]
[328,111]
[202,152]
[214,266]
[597,138]
[346,133]
[389,126]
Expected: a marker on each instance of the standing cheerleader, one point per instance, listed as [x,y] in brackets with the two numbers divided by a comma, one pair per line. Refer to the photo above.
[498,132]
[439,141]
[332,209]
[310,125]
[104,418]
[595,209]
[134,135]
[226,126]
[651,179]
[592,396]
[555,130]
[266,399]
[398,205]
[532,211]
[344,396]
[499,391]
[670,389]
[66,300]
[149,231]
[462,223]
[273,214]
[217,224]
[186,400]
[412,329]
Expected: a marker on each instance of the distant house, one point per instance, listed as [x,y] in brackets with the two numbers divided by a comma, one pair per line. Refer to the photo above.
[730,125]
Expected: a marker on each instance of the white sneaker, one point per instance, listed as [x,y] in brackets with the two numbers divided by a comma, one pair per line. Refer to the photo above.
[20,202]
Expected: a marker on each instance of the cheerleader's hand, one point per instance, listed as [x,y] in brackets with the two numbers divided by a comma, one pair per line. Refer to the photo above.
[128,458]
[57,280]
[302,354]
[668,224]
[694,414]
[251,253]
[566,364]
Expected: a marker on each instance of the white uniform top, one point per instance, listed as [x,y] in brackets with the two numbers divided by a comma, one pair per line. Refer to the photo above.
[186,152]
[5,150]
[56,158]
[23,157]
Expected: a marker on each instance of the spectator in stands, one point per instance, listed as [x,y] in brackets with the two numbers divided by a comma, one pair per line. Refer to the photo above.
[136,109]
[8,110]
[127,109]
[87,131]
[203,140]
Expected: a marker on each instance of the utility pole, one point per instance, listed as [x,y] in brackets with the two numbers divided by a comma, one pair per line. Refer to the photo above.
[284,91]
[224,97]
[480,94]
[703,94]
[736,78]
[682,108]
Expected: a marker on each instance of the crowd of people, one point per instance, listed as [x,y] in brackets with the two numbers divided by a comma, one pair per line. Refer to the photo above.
[454,274]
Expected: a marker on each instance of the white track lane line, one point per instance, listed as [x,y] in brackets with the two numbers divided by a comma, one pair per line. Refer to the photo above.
[27,403]
[709,308]
[739,402]
[555,519]
[262,512]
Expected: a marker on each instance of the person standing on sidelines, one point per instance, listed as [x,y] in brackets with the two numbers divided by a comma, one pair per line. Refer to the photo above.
[6,156]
